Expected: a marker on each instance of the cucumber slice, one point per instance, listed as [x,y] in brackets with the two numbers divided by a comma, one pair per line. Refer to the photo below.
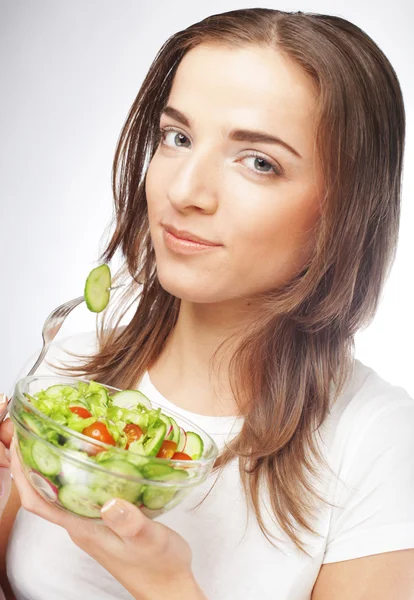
[25,447]
[155,471]
[168,424]
[176,432]
[182,440]
[153,444]
[155,497]
[97,286]
[33,423]
[176,475]
[116,486]
[58,390]
[83,500]
[130,399]
[120,466]
[47,462]
[194,445]
[136,459]
[136,452]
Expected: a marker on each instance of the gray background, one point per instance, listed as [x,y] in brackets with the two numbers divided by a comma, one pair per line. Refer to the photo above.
[69,73]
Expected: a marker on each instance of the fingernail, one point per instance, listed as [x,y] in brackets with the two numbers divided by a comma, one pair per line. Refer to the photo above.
[115,511]
[3,400]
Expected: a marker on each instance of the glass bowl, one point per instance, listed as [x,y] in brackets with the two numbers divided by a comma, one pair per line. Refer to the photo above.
[68,474]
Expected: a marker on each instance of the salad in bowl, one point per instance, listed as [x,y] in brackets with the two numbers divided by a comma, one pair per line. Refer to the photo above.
[82,443]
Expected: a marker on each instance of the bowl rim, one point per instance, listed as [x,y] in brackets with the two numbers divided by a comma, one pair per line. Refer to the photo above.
[164,461]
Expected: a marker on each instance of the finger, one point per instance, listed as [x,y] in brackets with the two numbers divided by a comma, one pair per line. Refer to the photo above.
[3,404]
[6,432]
[125,519]
[4,457]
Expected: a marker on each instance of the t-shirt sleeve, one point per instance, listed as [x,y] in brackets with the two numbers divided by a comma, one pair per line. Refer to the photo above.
[374,510]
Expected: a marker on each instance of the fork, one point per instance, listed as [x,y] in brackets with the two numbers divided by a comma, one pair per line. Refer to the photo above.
[52,327]
[50,330]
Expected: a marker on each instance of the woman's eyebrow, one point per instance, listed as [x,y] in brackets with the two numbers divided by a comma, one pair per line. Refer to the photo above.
[237,135]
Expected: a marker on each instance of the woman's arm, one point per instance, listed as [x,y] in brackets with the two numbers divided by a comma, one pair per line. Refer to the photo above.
[6,525]
[386,576]
[9,511]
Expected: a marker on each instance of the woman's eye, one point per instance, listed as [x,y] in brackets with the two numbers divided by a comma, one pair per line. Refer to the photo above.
[261,166]
[264,167]
[177,137]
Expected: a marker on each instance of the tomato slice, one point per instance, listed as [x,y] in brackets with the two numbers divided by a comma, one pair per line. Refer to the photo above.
[167,449]
[79,410]
[133,433]
[99,431]
[181,456]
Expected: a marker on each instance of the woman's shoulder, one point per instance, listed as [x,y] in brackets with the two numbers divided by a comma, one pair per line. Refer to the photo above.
[371,451]
[367,395]
[369,414]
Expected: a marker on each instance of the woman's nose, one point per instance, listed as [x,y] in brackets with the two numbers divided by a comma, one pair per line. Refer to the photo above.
[195,184]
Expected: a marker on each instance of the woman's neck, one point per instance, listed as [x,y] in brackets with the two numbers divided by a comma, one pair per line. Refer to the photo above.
[183,373]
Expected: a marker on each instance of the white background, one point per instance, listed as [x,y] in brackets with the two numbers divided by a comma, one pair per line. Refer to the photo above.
[69,73]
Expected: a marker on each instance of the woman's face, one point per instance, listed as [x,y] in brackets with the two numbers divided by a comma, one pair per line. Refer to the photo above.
[257,201]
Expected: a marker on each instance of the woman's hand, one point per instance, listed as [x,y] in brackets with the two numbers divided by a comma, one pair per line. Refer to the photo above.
[6,427]
[150,560]
[4,457]
[6,431]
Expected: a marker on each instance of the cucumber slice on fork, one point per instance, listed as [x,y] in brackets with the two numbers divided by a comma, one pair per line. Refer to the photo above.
[97,288]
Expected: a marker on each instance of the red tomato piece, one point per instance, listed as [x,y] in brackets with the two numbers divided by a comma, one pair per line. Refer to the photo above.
[167,449]
[99,431]
[79,410]
[181,456]
[133,433]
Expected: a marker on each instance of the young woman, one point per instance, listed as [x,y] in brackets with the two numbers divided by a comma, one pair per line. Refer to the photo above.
[257,191]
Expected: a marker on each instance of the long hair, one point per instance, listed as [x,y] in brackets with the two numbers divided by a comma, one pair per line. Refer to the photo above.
[296,357]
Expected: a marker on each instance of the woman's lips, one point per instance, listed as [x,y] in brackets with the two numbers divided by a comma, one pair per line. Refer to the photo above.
[186,235]
[183,245]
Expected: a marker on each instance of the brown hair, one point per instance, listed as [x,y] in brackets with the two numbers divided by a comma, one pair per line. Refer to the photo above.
[281,372]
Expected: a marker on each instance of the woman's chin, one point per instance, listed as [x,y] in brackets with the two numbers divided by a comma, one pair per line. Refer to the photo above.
[199,292]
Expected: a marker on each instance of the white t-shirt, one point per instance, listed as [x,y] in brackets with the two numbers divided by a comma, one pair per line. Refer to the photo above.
[368,439]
